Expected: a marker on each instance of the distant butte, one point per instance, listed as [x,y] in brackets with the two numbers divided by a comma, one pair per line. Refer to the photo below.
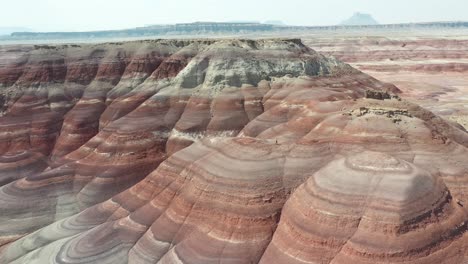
[220,151]
[360,19]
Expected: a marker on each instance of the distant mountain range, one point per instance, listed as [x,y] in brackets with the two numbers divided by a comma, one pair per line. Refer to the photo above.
[360,19]
[229,28]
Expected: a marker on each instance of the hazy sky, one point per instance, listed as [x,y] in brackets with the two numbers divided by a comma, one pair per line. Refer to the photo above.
[56,15]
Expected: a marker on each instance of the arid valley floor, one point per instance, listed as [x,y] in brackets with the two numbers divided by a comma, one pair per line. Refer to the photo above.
[429,69]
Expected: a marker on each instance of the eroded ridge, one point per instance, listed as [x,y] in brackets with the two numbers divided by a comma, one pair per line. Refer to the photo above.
[216,151]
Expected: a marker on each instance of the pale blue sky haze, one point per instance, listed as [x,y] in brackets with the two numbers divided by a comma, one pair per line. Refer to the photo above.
[83,15]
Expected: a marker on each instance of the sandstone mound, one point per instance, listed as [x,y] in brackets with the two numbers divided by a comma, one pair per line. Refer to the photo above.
[214,151]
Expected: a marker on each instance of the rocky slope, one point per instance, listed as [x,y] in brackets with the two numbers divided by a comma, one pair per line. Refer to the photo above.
[220,151]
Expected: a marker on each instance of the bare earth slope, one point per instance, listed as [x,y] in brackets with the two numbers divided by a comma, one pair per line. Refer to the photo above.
[220,151]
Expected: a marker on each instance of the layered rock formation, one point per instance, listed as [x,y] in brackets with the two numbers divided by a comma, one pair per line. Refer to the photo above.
[221,151]
[429,69]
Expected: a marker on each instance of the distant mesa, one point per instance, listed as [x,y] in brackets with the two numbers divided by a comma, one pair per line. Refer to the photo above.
[153,30]
[243,22]
[275,23]
[239,28]
[360,19]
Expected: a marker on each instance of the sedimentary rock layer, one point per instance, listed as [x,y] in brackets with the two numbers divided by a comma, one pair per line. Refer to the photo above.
[221,151]
[429,69]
